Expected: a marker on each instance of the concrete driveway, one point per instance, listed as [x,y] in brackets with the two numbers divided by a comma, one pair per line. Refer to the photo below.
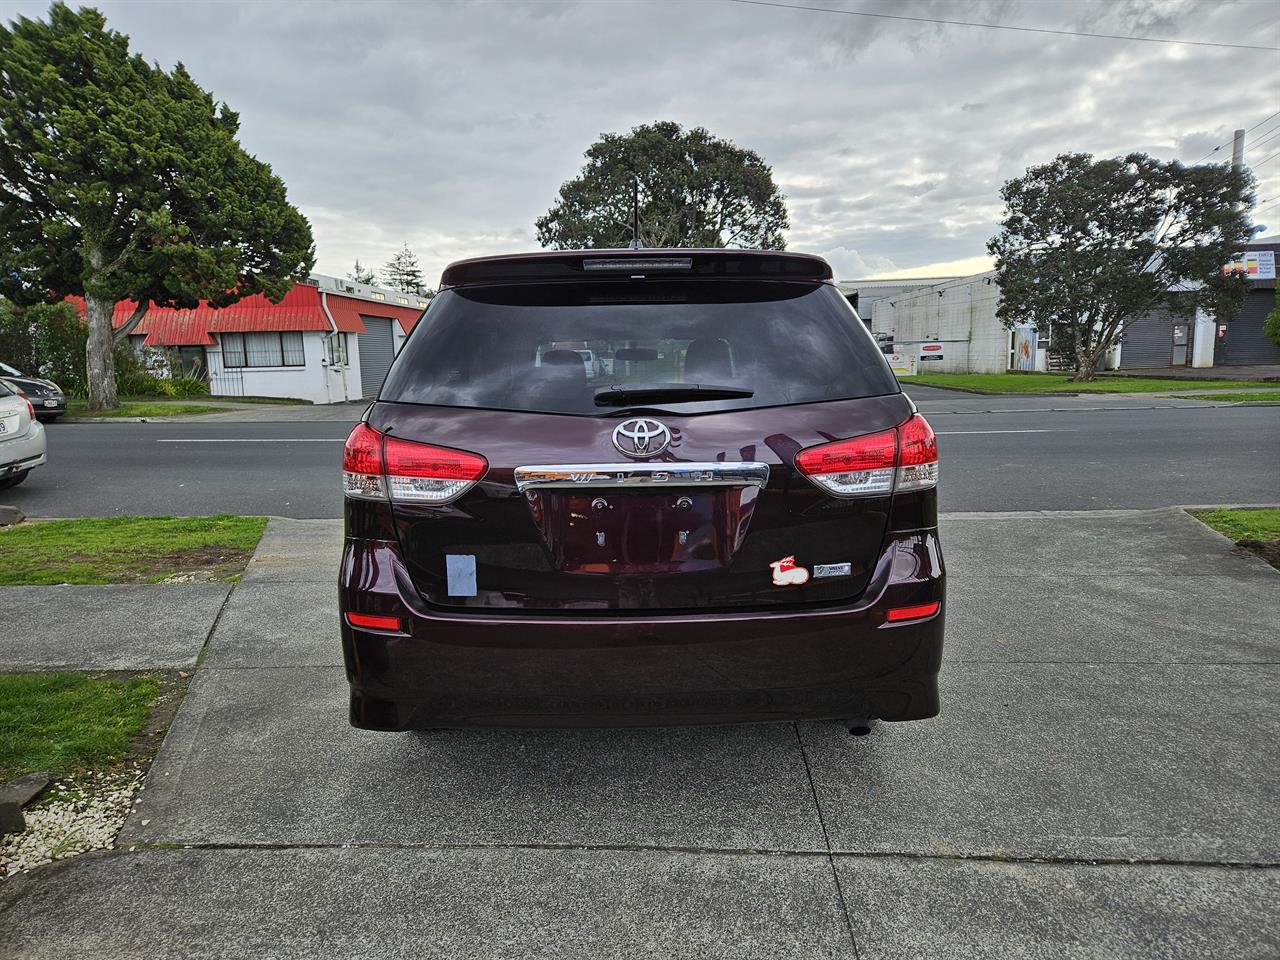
[1101,783]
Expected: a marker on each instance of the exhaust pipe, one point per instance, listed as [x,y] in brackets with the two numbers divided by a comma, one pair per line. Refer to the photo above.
[860,726]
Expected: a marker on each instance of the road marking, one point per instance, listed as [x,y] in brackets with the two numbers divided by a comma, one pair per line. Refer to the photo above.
[263,440]
[952,433]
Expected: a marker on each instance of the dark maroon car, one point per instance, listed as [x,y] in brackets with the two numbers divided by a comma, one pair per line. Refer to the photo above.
[627,487]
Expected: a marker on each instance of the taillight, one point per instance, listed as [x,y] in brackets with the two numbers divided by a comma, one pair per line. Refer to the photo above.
[919,612]
[370,621]
[378,467]
[903,458]
[31,410]
[917,455]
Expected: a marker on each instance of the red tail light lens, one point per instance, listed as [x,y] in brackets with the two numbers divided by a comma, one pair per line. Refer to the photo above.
[919,612]
[904,458]
[31,410]
[371,621]
[421,472]
[860,466]
[917,455]
[378,467]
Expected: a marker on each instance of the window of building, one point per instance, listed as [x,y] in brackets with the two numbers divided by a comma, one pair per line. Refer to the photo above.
[422,304]
[378,296]
[404,300]
[263,350]
[336,349]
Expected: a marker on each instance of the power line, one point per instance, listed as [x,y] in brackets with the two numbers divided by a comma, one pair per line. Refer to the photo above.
[1247,132]
[1261,162]
[1002,26]
[1267,139]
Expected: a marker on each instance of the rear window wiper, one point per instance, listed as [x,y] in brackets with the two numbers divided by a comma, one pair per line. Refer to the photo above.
[622,394]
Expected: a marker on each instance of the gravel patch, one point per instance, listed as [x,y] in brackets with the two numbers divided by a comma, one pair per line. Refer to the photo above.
[79,814]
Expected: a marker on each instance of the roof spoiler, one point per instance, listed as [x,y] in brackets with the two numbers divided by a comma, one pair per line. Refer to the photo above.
[631,264]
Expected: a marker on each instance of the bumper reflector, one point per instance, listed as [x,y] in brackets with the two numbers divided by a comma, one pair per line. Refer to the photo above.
[919,612]
[373,622]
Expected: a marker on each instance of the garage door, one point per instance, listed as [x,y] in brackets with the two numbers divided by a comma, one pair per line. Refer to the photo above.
[377,350]
[1245,342]
[1149,341]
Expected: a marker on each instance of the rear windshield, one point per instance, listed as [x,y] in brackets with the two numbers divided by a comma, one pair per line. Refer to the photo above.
[555,348]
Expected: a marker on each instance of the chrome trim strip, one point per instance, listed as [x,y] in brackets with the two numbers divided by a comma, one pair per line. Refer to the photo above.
[576,476]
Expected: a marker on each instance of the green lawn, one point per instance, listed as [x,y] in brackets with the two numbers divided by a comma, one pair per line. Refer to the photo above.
[142,408]
[1058,383]
[1243,524]
[65,722]
[1262,396]
[127,549]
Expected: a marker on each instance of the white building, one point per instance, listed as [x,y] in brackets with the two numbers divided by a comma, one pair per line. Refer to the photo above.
[951,326]
[328,341]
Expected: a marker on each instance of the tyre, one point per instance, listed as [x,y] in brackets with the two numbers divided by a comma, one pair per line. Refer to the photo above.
[49,419]
[13,481]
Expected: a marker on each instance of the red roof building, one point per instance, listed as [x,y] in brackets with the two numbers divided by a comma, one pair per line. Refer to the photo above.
[327,341]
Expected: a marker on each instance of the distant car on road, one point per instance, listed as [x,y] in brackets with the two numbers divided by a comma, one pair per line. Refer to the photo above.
[48,399]
[743,527]
[21,438]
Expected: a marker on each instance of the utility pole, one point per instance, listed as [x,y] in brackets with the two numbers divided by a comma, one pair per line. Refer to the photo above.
[1237,150]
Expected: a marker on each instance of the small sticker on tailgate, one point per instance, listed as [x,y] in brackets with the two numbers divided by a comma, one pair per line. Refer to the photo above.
[832,570]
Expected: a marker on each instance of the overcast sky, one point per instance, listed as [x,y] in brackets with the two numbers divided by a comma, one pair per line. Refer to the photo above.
[451,125]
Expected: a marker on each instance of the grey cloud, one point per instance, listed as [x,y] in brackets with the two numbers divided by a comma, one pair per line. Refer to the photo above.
[452,125]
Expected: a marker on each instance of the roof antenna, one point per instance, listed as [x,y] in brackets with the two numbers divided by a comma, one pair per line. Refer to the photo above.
[635,212]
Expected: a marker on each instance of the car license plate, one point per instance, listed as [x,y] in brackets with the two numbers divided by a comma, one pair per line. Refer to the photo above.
[8,424]
[51,403]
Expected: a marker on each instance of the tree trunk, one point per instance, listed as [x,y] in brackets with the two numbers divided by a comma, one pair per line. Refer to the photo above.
[1084,370]
[100,367]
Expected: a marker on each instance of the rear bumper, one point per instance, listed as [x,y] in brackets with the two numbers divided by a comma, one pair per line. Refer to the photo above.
[22,453]
[49,408]
[448,669]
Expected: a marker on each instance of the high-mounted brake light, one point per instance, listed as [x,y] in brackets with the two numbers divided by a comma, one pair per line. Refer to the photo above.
[901,459]
[378,467]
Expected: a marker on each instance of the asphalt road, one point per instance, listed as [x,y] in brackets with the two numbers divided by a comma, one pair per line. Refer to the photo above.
[998,453]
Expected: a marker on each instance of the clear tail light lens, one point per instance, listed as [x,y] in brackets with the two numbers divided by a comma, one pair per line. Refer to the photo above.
[904,458]
[378,467]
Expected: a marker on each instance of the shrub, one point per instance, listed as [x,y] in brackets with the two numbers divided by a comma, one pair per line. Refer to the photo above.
[189,386]
[1271,326]
[45,340]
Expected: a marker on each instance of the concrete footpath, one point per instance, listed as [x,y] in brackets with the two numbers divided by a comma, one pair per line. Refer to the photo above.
[1101,783]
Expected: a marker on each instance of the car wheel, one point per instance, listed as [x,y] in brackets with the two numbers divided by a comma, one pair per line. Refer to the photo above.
[13,481]
[49,419]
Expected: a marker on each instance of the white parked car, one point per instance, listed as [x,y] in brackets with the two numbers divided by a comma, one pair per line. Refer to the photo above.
[21,438]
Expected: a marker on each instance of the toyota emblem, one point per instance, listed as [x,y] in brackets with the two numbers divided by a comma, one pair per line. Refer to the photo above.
[641,437]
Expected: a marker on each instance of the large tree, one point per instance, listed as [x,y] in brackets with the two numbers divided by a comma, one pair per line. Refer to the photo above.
[1087,246]
[696,190]
[122,181]
[402,272]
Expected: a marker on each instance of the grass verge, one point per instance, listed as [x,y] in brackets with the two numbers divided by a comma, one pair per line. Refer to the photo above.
[68,722]
[127,549]
[1058,383]
[1262,396]
[131,408]
[1256,530]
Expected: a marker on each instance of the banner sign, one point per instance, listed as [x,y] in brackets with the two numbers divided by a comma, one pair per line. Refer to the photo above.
[930,351]
[1254,264]
[1025,344]
[901,364]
